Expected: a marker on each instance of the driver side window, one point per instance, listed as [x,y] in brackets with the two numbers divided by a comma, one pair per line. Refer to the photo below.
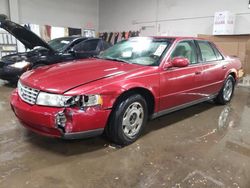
[185,49]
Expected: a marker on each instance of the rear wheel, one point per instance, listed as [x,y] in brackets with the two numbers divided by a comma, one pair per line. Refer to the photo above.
[127,120]
[226,93]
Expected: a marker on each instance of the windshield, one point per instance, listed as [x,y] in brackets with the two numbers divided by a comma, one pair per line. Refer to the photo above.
[139,50]
[61,43]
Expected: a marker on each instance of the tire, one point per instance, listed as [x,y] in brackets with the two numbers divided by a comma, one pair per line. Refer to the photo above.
[226,93]
[127,120]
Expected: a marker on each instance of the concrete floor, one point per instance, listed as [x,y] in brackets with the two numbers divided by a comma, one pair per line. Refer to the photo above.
[202,146]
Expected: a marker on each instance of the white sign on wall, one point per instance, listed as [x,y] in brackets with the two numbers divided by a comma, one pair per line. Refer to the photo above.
[224,23]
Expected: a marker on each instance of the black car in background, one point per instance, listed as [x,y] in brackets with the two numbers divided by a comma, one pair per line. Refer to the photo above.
[42,53]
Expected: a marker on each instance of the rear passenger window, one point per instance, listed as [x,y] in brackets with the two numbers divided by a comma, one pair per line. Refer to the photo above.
[217,53]
[207,51]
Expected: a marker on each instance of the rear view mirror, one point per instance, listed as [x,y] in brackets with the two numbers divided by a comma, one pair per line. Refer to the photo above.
[180,62]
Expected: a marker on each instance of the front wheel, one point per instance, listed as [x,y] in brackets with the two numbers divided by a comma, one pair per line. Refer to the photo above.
[127,120]
[226,93]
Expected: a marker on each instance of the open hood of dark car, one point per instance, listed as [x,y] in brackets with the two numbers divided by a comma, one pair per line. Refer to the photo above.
[26,37]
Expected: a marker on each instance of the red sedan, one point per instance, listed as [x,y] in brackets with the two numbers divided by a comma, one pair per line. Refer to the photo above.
[117,92]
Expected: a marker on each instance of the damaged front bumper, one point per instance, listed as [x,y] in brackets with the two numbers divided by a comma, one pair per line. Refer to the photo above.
[66,123]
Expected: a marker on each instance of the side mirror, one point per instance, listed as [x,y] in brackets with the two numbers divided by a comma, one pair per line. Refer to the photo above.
[180,62]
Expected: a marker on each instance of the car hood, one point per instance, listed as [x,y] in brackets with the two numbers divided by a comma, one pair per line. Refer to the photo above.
[60,78]
[10,59]
[26,37]
[32,56]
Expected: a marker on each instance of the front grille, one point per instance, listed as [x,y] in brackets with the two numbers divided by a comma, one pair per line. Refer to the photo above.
[27,94]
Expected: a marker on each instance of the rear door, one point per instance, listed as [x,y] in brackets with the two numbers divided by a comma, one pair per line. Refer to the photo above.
[181,85]
[214,67]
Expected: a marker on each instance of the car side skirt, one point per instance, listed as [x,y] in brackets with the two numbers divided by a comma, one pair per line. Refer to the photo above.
[176,108]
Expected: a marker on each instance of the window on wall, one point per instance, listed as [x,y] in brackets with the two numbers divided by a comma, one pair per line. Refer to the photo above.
[207,51]
[187,50]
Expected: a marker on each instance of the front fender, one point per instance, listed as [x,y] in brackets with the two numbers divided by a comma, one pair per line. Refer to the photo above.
[110,96]
[111,89]
[111,92]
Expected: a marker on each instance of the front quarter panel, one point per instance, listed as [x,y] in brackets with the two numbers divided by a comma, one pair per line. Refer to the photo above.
[111,88]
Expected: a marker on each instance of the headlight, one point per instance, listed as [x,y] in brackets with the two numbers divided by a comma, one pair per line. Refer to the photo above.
[47,99]
[20,64]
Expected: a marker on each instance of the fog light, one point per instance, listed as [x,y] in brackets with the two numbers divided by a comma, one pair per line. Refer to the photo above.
[61,119]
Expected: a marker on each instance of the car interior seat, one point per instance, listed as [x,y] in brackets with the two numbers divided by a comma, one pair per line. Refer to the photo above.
[180,51]
[191,56]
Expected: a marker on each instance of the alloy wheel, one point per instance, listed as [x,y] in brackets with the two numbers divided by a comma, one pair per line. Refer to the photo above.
[133,119]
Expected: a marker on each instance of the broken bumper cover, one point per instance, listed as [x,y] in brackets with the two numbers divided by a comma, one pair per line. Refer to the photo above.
[42,120]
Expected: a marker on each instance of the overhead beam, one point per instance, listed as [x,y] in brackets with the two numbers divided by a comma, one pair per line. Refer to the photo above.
[14,10]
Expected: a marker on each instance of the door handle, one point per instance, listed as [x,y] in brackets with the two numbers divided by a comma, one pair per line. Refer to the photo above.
[224,67]
[197,72]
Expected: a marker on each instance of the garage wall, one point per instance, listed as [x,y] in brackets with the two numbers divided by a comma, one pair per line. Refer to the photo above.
[4,7]
[119,15]
[168,17]
[73,13]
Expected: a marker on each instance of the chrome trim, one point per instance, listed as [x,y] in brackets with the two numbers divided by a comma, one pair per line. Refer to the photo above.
[26,93]
[182,106]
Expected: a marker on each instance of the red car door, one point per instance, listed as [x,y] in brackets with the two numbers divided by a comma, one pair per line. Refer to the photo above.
[181,85]
[214,67]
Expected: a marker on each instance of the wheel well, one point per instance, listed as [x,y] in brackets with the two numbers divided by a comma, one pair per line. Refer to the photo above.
[233,75]
[148,96]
